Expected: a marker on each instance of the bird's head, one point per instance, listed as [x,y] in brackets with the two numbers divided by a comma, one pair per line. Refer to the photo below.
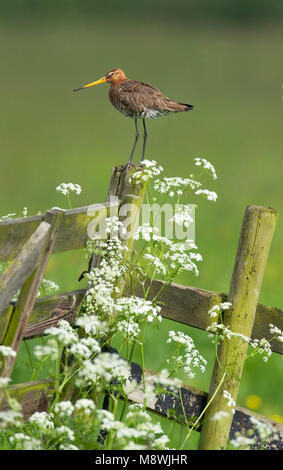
[113,76]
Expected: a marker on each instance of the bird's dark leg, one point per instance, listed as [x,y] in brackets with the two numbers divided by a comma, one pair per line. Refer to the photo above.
[144,139]
[135,143]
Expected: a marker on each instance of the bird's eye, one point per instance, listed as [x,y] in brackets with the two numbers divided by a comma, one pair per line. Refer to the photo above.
[112,74]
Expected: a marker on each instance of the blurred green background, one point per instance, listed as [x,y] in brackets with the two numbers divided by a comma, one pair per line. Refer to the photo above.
[223,57]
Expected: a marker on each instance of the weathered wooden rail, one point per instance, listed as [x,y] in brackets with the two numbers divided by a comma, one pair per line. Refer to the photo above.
[28,243]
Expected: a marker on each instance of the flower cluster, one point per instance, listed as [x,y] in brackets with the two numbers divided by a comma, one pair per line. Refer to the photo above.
[43,420]
[190,358]
[146,231]
[63,409]
[175,186]
[150,169]
[219,308]
[223,331]
[63,332]
[210,195]
[276,333]
[6,351]
[129,328]
[163,381]
[182,216]
[179,259]
[50,349]
[92,325]
[67,188]
[136,307]
[4,382]
[168,258]
[49,286]
[70,426]
[82,348]
[137,432]
[10,418]
[24,214]
[21,441]
[103,279]
[156,263]
[202,162]
[102,370]
[261,346]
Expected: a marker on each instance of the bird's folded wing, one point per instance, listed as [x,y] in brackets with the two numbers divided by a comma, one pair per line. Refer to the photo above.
[140,96]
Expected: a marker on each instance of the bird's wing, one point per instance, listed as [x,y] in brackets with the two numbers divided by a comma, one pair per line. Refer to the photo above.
[140,96]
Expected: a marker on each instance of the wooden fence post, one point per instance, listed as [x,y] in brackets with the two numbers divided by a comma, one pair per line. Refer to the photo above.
[130,196]
[255,239]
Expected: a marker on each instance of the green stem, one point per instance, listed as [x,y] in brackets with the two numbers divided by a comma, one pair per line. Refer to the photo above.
[29,355]
[132,352]
[111,435]
[123,409]
[142,361]
[69,201]
[182,404]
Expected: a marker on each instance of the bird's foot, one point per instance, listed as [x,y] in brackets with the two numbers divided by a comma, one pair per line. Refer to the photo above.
[121,169]
[125,167]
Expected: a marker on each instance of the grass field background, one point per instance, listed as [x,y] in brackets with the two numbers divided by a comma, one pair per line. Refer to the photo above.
[232,75]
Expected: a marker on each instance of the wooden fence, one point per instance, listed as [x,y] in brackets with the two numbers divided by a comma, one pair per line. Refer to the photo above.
[28,243]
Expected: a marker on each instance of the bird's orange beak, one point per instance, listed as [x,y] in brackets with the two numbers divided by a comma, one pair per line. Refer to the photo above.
[101,80]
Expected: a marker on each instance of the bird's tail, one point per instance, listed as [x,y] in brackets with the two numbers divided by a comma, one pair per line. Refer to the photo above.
[187,107]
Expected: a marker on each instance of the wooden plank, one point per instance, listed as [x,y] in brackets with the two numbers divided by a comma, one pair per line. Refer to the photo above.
[187,305]
[50,309]
[253,249]
[194,402]
[72,234]
[33,396]
[20,316]
[15,233]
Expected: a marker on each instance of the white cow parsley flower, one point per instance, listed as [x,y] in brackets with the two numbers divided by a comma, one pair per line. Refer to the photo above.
[206,165]
[42,419]
[190,358]
[66,188]
[7,351]
[210,195]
